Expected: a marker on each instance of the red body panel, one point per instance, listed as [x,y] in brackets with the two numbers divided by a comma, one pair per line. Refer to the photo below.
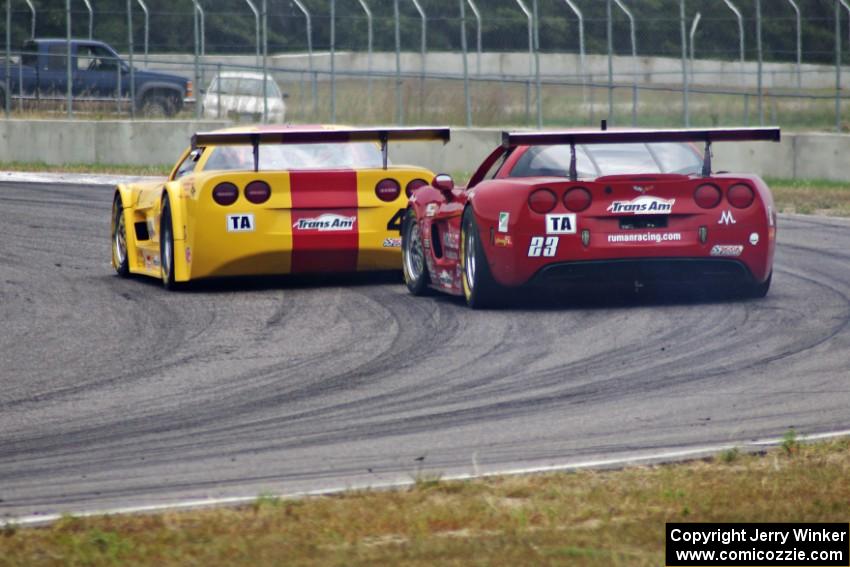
[513,261]
[315,193]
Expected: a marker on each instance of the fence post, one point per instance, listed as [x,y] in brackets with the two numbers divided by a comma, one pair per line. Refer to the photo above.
[685,94]
[130,59]
[91,17]
[477,15]
[7,93]
[313,75]
[539,85]
[837,67]
[147,27]
[634,59]
[691,36]
[32,20]
[760,63]
[398,101]
[218,93]
[196,59]
[256,12]
[370,36]
[466,96]
[609,25]
[333,61]
[423,51]
[265,7]
[530,18]
[582,60]
[68,74]
[799,44]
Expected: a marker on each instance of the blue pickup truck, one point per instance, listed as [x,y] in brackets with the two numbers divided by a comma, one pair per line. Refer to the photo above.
[97,73]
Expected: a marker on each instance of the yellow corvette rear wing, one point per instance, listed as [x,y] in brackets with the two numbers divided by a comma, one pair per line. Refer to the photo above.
[605,136]
[319,136]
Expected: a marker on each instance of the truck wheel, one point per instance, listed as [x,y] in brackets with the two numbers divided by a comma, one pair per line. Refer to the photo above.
[159,106]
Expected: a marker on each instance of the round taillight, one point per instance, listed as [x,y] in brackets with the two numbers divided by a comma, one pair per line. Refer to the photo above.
[740,196]
[707,196]
[387,190]
[577,199]
[258,192]
[414,185]
[542,201]
[225,194]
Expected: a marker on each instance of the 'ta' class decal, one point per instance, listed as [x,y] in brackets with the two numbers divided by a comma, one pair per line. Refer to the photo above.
[240,222]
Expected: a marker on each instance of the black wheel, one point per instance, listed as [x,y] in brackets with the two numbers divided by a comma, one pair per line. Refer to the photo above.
[479,287]
[413,261]
[159,106]
[166,246]
[120,259]
[760,290]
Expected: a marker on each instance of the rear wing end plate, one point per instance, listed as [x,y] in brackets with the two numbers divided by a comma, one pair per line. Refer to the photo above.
[707,135]
[320,136]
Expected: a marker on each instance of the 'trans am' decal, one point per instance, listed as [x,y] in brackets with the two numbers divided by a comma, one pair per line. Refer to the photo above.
[643,205]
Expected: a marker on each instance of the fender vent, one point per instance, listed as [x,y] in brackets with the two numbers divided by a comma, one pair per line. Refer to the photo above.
[142,231]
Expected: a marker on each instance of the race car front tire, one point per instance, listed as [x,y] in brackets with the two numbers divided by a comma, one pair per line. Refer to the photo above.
[120,258]
[479,287]
[166,246]
[414,265]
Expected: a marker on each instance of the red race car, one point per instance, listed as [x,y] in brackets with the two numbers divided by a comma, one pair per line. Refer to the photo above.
[557,209]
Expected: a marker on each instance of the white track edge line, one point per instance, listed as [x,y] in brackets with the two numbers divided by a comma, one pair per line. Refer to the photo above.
[233,500]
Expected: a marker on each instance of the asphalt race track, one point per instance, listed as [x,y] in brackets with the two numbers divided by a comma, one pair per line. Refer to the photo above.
[115,392]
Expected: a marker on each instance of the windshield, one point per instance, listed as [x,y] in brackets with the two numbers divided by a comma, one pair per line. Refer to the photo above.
[300,156]
[244,86]
[608,159]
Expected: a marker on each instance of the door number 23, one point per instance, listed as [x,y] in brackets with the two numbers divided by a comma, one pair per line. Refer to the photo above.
[541,246]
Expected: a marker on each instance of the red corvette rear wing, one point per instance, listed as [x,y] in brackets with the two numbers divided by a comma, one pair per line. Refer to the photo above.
[320,136]
[709,135]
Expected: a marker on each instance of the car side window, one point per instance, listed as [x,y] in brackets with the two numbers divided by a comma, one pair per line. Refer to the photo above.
[188,164]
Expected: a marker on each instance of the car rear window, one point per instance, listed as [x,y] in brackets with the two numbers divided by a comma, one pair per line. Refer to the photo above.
[300,156]
[608,159]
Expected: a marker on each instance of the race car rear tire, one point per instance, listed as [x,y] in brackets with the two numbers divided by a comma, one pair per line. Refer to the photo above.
[414,265]
[760,290]
[479,287]
[120,258]
[166,246]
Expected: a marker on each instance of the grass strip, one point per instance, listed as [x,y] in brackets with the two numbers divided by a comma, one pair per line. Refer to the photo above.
[587,517]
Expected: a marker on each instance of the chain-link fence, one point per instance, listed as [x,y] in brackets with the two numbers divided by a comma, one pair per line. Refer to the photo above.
[474,62]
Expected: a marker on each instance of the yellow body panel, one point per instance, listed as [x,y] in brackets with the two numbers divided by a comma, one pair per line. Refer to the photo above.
[203,246]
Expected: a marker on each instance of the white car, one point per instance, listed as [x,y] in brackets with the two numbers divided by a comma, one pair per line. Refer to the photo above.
[239,96]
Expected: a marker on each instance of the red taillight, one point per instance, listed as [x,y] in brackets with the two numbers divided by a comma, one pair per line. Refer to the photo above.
[740,196]
[542,201]
[414,185]
[258,192]
[577,199]
[387,190]
[707,196]
[225,194]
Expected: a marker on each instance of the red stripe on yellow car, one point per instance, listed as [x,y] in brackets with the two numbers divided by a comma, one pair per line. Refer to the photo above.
[325,222]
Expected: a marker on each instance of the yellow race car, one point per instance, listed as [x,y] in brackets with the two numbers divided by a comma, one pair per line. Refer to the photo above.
[270,200]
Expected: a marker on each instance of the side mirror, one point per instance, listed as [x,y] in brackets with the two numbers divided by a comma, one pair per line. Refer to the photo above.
[443,182]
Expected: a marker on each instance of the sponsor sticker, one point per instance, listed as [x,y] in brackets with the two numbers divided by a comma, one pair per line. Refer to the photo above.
[754,238]
[642,237]
[446,278]
[431,209]
[188,255]
[643,205]
[451,239]
[728,250]
[392,242]
[243,222]
[546,247]
[327,222]
[561,224]
[726,218]
[503,241]
[504,220]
